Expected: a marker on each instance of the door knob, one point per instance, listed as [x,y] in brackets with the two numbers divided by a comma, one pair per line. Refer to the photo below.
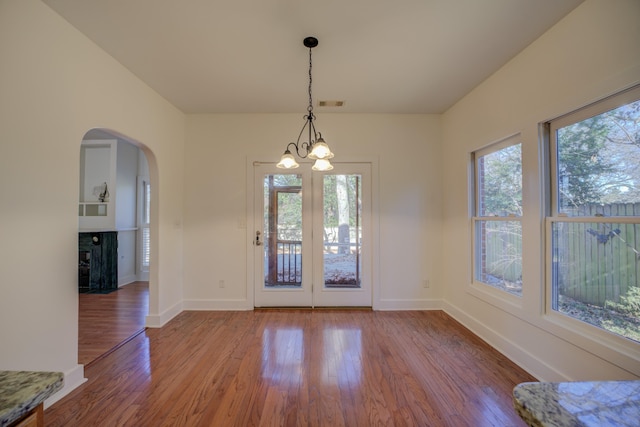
[257,242]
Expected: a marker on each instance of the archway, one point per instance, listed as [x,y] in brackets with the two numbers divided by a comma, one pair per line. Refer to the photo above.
[114,228]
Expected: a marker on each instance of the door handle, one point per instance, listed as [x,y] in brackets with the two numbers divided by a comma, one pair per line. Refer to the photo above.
[257,242]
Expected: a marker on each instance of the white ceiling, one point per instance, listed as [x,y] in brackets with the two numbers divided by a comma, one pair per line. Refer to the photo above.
[247,56]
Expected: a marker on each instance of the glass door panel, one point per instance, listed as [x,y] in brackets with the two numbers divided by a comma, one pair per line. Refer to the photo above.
[342,231]
[283,230]
[281,242]
[342,256]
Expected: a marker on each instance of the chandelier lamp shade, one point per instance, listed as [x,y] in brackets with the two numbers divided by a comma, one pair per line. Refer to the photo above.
[314,148]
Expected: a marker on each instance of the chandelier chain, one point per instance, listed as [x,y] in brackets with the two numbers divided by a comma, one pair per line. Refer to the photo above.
[310,107]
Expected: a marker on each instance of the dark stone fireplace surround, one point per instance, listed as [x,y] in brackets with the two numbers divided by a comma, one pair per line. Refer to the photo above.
[98,261]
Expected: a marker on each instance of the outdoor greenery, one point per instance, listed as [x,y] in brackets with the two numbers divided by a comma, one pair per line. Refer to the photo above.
[597,264]
[332,198]
[289,206]
[580,165]
[599,159]
[500,242]
[501,192]
[283,228]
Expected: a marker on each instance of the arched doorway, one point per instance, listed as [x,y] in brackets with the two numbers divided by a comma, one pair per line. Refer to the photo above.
[114,239]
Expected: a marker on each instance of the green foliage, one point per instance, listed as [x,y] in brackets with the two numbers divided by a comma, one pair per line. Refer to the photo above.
[288,189]
[331,199]
[605,318]
[599,157]
[501,192]
[580,165]
[629,304]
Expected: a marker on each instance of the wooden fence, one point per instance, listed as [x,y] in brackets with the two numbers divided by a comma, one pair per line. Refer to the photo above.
[502,257]
[592,262]
[597,262]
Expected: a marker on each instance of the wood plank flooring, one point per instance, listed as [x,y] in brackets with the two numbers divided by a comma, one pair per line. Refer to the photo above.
[298,368]
[105,321]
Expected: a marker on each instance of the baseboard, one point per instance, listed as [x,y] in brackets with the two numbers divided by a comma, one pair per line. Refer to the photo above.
[73,379]
[408,304]
[217,305]
[126,280]
[518,355]
[159,320]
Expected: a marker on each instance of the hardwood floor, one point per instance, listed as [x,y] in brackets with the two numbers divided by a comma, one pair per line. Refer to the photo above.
[105,321]
[298,368]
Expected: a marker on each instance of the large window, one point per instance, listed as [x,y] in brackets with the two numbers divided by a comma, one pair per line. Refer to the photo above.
[594,223]
[497,216]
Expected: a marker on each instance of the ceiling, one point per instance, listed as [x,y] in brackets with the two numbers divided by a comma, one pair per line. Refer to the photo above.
[247,56]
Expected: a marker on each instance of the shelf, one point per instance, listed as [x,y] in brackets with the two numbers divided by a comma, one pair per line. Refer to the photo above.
[93,208]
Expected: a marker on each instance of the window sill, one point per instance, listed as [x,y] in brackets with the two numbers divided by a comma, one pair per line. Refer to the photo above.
[496,297]
[616,349]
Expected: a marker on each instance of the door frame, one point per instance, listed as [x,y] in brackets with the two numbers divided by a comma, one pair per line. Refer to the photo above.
[295,296]
[248,225]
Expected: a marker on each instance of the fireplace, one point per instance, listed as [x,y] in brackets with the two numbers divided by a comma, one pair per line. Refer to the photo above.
[98,261]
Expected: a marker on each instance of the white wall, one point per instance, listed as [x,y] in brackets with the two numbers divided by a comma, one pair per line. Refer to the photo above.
[591,53]
[126,174]
[407,150]
[55,86]
[126,210]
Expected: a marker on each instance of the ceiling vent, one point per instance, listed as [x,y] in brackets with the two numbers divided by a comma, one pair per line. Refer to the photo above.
[330,103]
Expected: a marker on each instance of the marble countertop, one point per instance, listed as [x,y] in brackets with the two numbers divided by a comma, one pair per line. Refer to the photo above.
[21,391]
[589,403]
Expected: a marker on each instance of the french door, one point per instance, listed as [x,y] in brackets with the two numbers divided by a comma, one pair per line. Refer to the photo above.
[311,241]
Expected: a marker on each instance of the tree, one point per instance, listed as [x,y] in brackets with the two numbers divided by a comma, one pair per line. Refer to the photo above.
[599,159]
[342,197]
[501,178]
[580,165]
[622,150]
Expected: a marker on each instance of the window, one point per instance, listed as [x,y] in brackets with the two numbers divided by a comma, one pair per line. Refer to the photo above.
[594,222]
[143,224]
[497,216]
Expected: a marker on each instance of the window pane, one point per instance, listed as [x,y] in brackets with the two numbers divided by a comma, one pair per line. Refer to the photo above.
[146,205]
[146,244]
[595,274]
[499,180]
[499,255]
[342,230]
[283,230]
[598,167]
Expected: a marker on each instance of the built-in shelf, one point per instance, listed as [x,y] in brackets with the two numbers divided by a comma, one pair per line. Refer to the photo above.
[93,209]
[96,207]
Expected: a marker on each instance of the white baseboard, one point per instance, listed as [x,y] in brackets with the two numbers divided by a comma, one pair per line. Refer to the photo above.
[408,304]
[73,378]
[536,367]
[217,304]
[159,320]
[126,280]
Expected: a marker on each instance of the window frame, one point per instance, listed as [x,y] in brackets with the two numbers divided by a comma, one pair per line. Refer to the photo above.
[553,215]
[143,223]
[478,287]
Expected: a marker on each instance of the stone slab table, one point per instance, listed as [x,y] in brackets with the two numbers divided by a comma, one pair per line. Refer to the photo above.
[23,392]
[589,403]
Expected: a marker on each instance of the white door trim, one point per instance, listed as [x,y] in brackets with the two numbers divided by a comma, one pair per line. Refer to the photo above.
[247,224]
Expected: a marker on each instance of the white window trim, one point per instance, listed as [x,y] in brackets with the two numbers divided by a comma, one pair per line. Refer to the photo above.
[479,289]
[614,348]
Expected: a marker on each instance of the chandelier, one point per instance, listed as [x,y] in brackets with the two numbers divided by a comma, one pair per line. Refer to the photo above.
[314,148]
